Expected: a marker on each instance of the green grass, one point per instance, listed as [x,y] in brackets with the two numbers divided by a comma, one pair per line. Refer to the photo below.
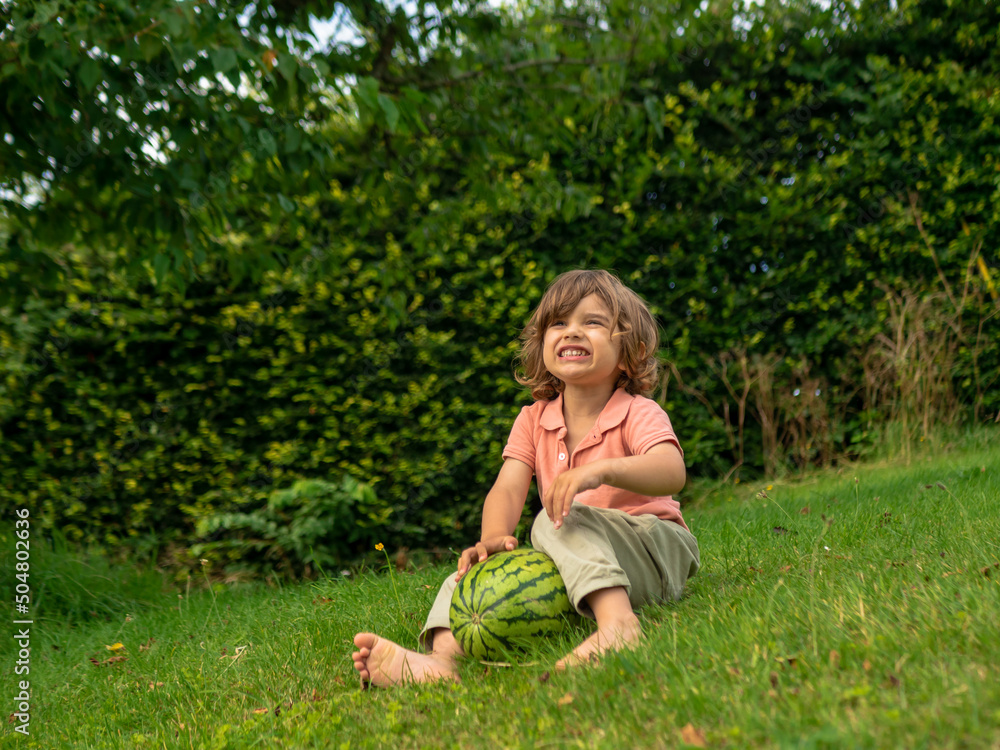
[836,613]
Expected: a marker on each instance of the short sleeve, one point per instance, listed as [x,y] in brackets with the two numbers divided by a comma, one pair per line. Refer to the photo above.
[646,425]
[521,443]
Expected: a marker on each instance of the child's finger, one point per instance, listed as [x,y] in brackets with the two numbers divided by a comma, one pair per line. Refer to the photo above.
[547,504]
[565,502]
[555,514]
[464,562]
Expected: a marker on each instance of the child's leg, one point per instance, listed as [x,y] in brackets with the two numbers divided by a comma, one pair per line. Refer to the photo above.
[617,626]
[613,563]
[385,663]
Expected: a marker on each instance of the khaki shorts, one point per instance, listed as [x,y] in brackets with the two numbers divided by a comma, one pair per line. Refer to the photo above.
[598,548]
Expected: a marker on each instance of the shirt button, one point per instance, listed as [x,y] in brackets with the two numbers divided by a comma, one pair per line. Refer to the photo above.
[562,456]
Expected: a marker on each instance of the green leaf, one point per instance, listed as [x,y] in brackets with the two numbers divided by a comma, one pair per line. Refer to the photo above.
[150,46]
[223,59]
[367,93]
[90,74]
[286,205]
[174,23]
[293,137]
[161,264]
[655,113]
[413,95]
[391,111]
[287,67]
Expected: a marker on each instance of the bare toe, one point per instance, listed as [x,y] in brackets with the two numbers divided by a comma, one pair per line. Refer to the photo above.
[385,663]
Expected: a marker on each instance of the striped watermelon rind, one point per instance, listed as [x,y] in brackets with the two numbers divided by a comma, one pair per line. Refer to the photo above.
[508,601]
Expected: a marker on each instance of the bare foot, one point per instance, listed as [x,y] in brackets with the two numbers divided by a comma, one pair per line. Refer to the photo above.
[384,663]
[623,633]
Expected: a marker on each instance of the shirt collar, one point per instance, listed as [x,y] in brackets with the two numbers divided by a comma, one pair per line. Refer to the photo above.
[613,413]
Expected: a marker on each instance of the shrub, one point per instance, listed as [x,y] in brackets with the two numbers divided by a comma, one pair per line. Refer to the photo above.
[312,526]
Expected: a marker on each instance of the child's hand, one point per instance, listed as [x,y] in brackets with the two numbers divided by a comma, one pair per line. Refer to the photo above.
[482,550]
[559,498]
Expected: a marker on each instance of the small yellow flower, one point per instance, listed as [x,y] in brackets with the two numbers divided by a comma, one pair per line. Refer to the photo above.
[115,647]
[770,487]
[380,546]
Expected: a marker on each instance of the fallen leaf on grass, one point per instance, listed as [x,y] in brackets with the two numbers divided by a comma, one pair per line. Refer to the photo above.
[260,710]
[565,700]
[779,530]
[892,681]
[543,677]
[953,573]
[154,685]
[805,511]
[116,647]
[322,600]
[109,661]
[986,571]
[692,736]
[147,645]
[240,650]
[834,659]
[786,661]
[866,665]
[774,679]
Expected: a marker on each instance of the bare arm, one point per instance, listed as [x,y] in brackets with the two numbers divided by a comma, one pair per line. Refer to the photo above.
[501,512]
[658,471]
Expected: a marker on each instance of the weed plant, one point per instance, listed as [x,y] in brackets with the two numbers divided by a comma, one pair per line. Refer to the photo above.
[853,609]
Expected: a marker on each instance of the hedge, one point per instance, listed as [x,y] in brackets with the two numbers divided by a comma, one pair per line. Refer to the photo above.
[808,201]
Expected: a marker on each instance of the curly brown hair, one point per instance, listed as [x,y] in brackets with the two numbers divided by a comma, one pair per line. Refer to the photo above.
[631,320]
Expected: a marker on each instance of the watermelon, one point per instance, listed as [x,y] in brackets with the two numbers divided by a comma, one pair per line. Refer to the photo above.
[506,601]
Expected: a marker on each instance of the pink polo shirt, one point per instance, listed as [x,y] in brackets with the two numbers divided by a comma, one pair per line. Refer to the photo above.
[627,426]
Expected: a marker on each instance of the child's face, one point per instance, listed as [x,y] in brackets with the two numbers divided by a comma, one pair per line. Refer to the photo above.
[578,348]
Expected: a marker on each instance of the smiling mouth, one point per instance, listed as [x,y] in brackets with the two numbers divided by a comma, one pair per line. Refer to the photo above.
[573,354]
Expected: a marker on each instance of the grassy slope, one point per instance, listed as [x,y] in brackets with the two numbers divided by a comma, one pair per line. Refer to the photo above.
[835,614]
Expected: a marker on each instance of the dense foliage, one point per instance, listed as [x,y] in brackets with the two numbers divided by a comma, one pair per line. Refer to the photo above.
[165,133]
[807,198]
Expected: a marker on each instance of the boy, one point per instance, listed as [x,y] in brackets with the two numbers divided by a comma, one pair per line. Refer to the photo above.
[607,462]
